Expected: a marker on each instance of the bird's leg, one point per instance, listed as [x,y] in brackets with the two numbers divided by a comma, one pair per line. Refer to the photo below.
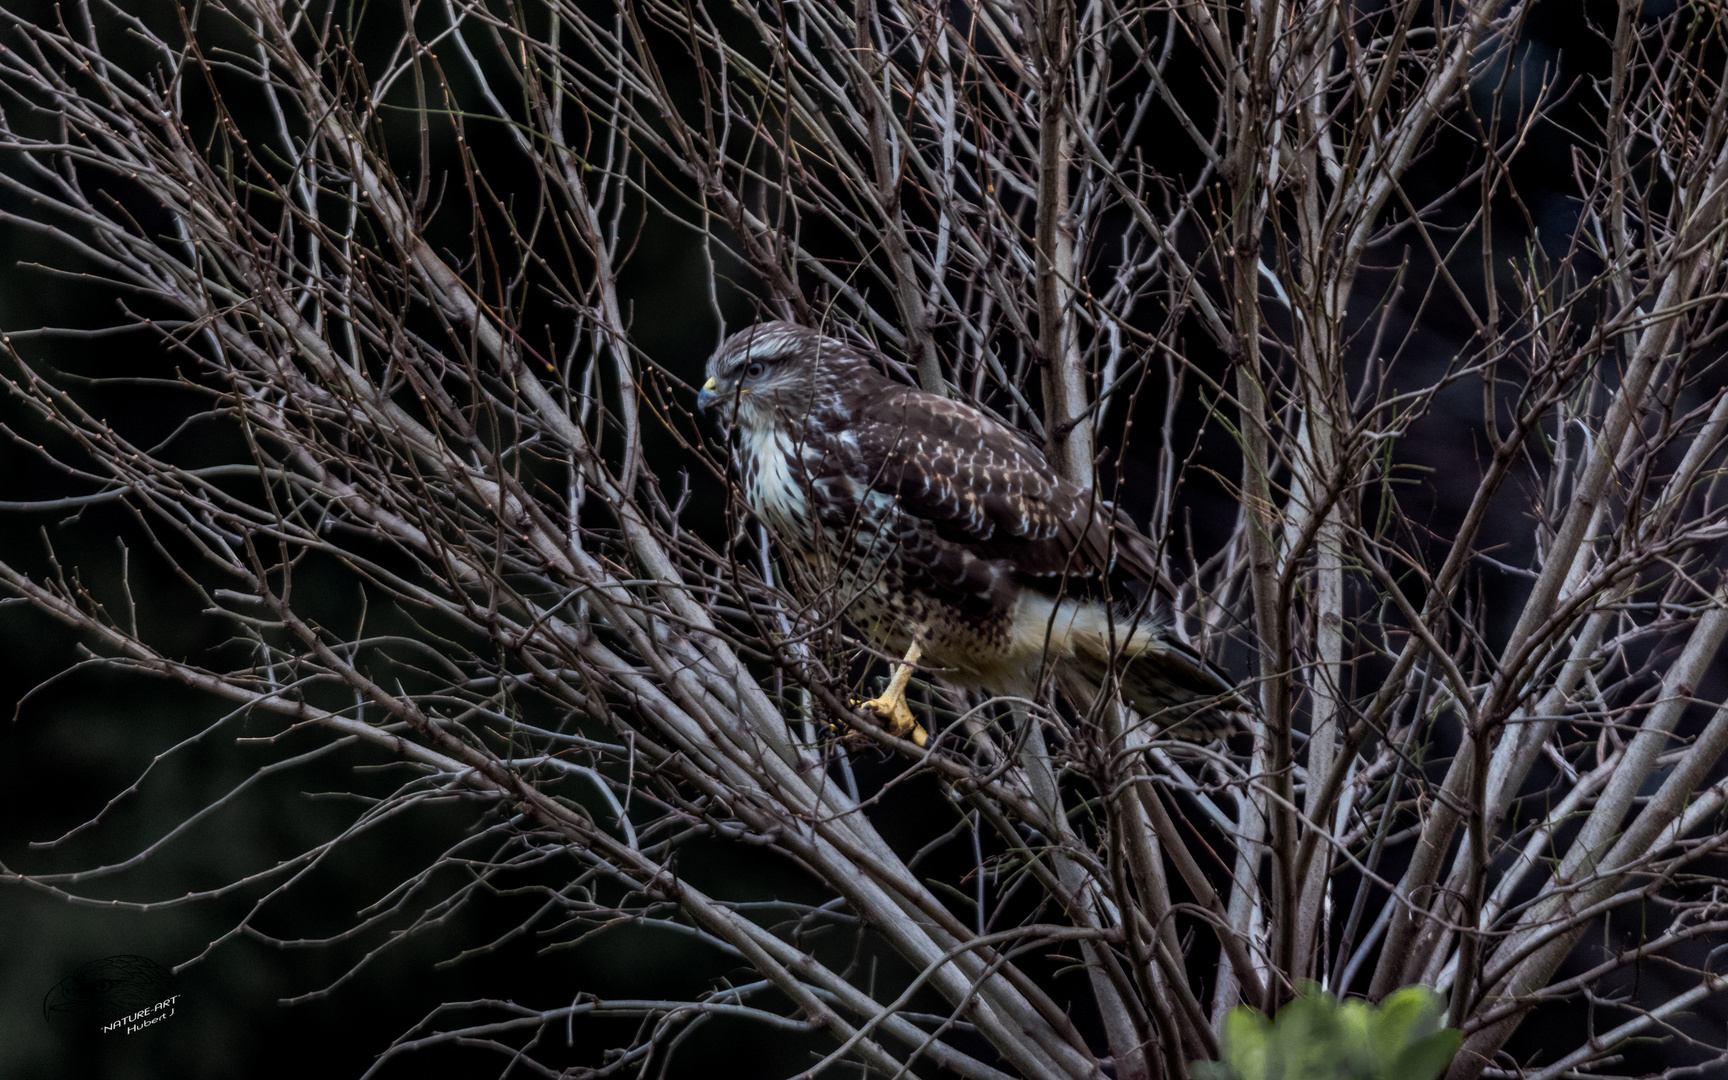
[891,706]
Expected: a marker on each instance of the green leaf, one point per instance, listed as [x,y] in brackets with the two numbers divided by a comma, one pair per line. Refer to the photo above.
[1247,1035]
[1426,1058]
[1355,1026]
[1317,1037]
[1404,1017]
[1308,1042]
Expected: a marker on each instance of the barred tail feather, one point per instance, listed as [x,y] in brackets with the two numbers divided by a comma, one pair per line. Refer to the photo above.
[1160,678]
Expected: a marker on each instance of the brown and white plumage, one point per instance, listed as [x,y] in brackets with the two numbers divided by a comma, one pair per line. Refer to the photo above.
[941,526]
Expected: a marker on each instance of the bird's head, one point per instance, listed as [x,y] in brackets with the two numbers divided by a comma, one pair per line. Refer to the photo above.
[776,371]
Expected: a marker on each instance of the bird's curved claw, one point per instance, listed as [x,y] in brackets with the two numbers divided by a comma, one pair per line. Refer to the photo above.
[892,710]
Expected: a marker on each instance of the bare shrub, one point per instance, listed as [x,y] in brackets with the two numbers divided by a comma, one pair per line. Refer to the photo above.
[1274,258]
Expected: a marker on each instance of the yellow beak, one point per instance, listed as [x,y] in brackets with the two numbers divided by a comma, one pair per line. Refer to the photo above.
[709,395]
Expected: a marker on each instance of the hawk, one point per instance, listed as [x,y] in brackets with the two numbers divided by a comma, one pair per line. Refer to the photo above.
[946,536]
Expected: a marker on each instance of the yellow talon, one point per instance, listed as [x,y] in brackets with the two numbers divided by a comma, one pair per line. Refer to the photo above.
[892,709]
[891,706]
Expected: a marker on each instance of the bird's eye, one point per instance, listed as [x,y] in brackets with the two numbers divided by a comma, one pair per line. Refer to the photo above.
[755,370]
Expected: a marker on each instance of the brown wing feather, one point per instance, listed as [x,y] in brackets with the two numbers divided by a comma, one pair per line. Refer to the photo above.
[980,485]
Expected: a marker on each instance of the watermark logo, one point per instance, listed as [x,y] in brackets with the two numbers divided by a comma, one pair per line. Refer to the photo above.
[117,995]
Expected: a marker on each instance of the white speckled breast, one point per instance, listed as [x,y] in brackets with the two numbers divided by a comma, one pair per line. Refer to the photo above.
[774,491]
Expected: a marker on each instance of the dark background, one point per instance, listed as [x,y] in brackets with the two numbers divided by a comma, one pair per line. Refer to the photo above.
[81,740]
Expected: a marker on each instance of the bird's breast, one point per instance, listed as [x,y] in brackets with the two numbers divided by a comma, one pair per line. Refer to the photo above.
[776,484]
